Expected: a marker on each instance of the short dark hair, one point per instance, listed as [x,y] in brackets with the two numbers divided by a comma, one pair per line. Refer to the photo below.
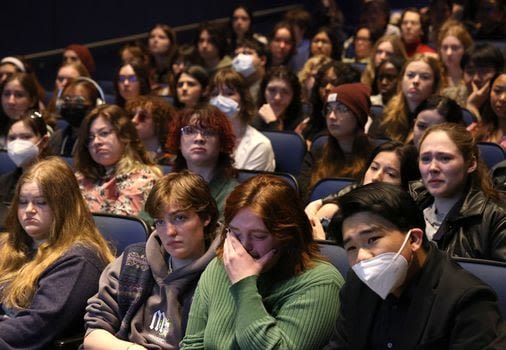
[483,55]
[448,108]
[253,44]
[386,200]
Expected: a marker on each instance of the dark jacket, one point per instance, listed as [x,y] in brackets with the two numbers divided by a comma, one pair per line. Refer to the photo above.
[450,309]
[474,229]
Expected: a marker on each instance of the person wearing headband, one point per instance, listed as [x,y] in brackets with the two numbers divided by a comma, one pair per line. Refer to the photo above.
[10,65]
[401,291]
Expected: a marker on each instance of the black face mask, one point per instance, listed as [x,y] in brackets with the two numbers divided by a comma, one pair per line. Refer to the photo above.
[74,113]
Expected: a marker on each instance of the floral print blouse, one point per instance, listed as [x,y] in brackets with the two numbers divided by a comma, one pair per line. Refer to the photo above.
[122,194]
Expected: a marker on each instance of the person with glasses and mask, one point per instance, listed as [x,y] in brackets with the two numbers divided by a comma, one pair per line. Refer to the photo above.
[401,291]
[152,117]
[131,80]
[66,73]
[268,287]
[113,169]
[203,142]
[78,97]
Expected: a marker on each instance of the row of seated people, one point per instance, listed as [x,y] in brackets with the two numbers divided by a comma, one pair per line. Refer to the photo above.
[115,173]
[199,283]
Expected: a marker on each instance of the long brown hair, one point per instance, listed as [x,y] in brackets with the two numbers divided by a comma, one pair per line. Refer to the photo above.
[281,210]
[134,155]
[71,224]
[468,147]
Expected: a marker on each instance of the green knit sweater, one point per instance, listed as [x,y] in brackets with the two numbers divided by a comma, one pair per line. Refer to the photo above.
[256,313]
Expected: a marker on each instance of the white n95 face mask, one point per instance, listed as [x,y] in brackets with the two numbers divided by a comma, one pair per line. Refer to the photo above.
[21,151]
[243,64]
[385,272]
[226,105]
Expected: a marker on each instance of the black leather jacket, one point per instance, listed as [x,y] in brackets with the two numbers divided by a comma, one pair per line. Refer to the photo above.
[475,230]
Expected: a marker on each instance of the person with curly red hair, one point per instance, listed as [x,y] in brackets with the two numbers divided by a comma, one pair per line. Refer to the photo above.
[203,141]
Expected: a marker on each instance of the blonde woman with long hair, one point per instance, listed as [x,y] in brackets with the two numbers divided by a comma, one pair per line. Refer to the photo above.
[421,77]
[114,171]
[51,259]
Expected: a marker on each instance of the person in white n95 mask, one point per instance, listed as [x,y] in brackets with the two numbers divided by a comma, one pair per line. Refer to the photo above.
[402,292]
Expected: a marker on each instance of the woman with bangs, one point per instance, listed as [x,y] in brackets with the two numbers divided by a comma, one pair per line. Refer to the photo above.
[268,288]
[154,316]
[230,94]
[114,171]
[52,257]
[421,77]
[130,81]
[203,142]
[279,101]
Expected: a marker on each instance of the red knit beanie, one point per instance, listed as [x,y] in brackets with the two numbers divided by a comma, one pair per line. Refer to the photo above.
[355,96]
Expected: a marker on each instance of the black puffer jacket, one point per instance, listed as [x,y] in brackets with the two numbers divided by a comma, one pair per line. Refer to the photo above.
[475,230]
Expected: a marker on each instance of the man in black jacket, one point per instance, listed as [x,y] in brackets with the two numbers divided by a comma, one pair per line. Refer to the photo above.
[402,292]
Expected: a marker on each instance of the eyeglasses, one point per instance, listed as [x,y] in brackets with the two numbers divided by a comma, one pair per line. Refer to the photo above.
[336,107]
[75,100]
[192,130]
[130,78]
[102,135]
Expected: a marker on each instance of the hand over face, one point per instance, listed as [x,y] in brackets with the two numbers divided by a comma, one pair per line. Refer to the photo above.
[239,264]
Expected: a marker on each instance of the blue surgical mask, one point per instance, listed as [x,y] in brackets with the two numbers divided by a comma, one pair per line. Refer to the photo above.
[226,105]
[243,64]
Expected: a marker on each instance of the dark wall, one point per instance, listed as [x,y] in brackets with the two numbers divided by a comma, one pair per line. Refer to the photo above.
[34,26]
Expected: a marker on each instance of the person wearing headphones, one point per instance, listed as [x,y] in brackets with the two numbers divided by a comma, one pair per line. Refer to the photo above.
[78,97]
